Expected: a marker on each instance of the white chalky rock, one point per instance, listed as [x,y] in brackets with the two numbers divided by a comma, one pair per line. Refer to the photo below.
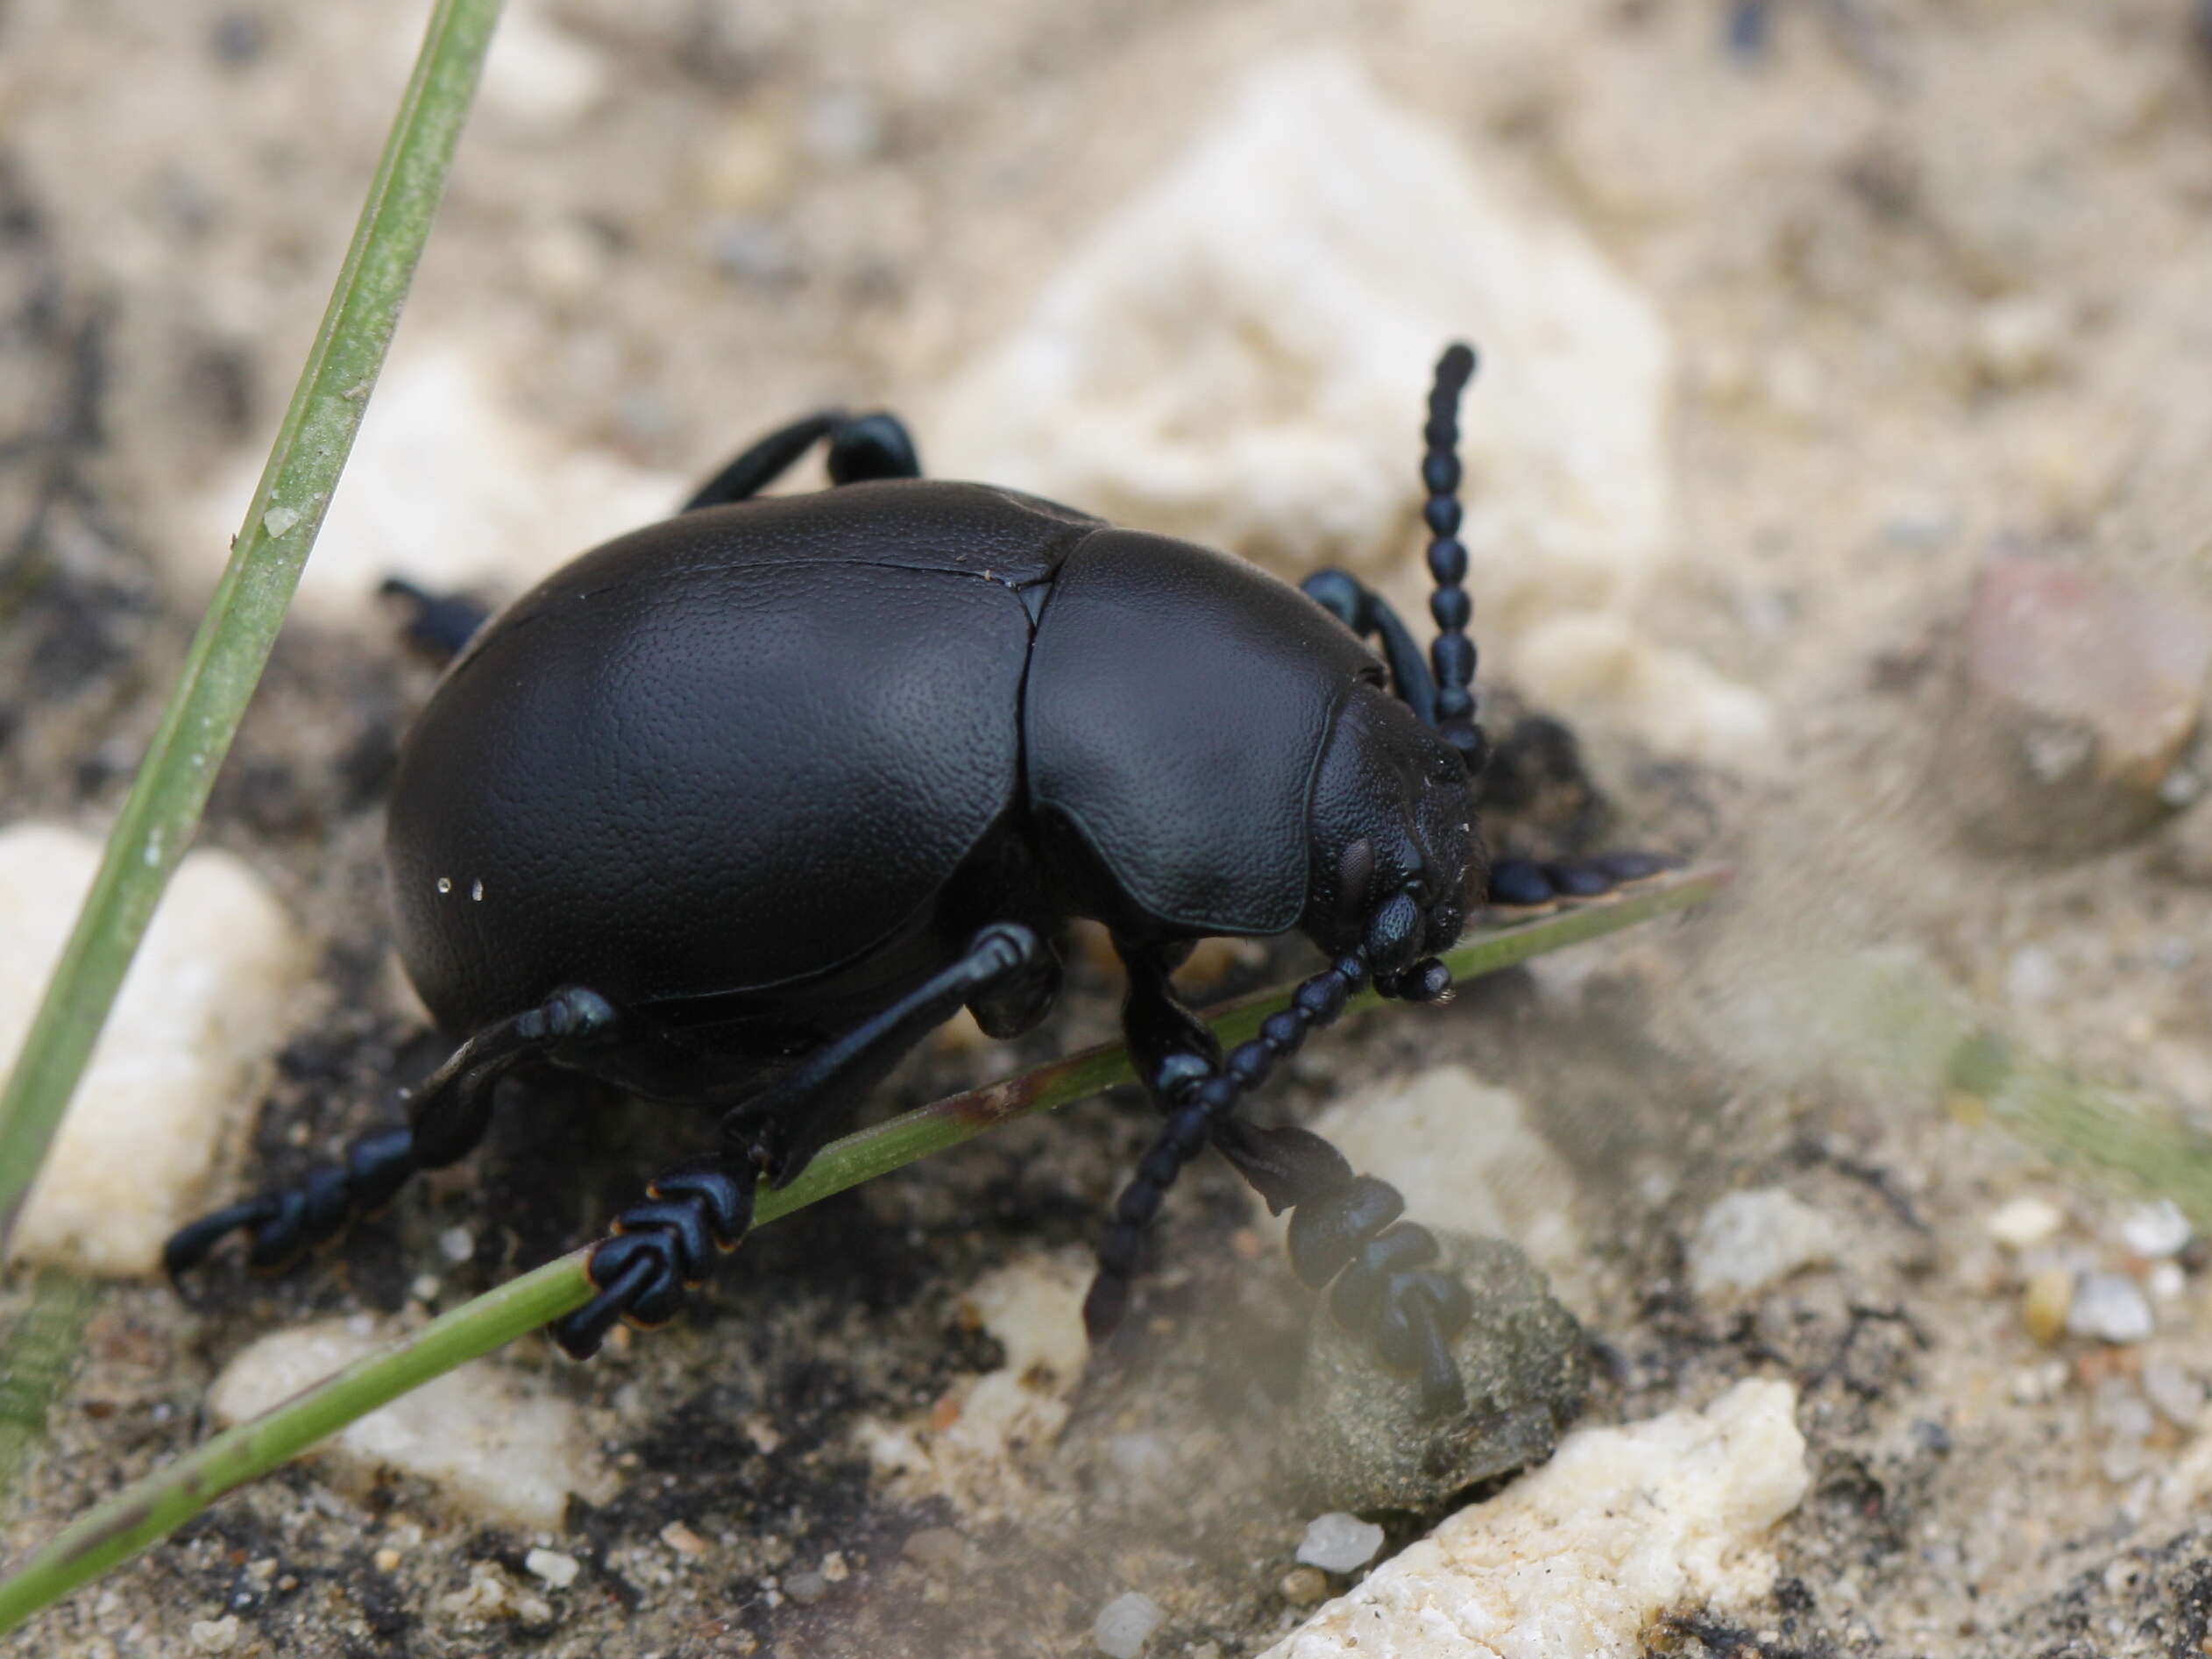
[1620,1526]
[1463,1154]
[1034,1307]
[1750,1240]
[1339,1542]
[1237,356]
[1125,1624]
[539,78]
[200,1010]
[446,487]
[489,1438]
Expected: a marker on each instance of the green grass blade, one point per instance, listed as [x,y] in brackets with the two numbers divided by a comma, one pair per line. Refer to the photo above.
[41,1352]
[158,819]
[148,1511]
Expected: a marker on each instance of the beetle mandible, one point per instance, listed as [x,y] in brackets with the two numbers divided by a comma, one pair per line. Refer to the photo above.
[732,810]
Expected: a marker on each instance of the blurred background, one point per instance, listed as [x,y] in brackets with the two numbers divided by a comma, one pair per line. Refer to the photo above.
[1838,499]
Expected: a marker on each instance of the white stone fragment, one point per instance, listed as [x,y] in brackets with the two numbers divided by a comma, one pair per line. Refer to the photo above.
[213,1635]
[2155,1230]
[2178,1396]
[2108,1307]
[2023,1222]
[1620,1526]
[448,487]
[1466,1158]
[1749,1240]
[553,1567]
[201,1011]
[494,1442]
[539,77]
[2033,978]
[1034,1307]
[1339,1542]
[1125,1624]
[1237,355]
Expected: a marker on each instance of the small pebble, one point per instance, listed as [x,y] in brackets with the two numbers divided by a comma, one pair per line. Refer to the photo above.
[457,1243]
[2018,340]
[1143,1459]
[2110,1307]
[2166,1281]
[2119,1407]
[834,1567]
[935,1548]
[2177,1396]
[213,1635]
[683,1540]
[1749,1240]
[2021,1223]
[1339,1542]
[1303,1586]
[2033,978]
[1125,1624]
[2155,1230]
[552,1567]
[387,1559]
[805,1588]
[2044,1304]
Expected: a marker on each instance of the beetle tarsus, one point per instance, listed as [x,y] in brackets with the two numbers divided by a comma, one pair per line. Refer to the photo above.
[666,1246]
[1345,1227]
[447,1117]
[1528,884]
[440,625]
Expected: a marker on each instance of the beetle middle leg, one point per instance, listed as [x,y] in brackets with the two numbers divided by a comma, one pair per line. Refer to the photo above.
[1344,1228]
[446,1118]
[665,1247]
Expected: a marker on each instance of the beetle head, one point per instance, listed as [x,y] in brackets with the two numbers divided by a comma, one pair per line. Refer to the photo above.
[1395,863]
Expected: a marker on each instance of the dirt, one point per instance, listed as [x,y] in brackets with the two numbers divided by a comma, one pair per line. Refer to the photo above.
[1838,207]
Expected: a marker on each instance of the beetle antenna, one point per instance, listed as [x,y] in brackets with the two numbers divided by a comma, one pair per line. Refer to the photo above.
[1453,653]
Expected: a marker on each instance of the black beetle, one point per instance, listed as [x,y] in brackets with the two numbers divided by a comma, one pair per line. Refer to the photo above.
[734,810]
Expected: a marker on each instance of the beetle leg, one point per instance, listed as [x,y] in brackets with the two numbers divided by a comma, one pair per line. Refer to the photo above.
[1520,884]
[446,1116]
[1345,1227]
[872,446]
[1368,615]
[440,624]
[865,446]
[666,1246]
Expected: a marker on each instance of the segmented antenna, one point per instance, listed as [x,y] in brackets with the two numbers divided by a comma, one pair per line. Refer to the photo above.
[1453,653]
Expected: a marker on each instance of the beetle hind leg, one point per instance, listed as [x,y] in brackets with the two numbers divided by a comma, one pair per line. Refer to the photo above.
[447,1116]
[860,447]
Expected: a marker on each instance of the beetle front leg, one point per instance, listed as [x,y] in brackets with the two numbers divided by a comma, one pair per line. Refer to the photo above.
[1345,1227]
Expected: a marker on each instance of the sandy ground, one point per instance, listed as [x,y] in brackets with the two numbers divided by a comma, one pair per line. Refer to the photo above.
[1936,279]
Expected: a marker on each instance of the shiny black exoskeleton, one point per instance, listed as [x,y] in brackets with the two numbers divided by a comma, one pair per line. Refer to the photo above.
[732,810]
